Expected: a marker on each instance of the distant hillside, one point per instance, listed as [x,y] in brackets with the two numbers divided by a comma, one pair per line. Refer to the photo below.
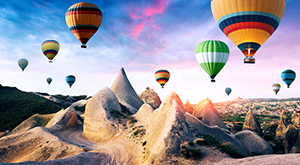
[16,106]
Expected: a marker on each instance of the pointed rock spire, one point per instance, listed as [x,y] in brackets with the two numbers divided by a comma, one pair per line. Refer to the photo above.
[188,107]
[251,123]
[125,92]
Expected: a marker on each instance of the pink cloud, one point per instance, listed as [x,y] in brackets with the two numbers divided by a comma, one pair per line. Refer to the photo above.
[144,17]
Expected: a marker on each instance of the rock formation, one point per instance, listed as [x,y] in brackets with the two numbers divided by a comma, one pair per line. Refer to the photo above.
[99,121]
[150,97]
[64,119]
[206,112]
[295,119]
[290,138]
[144,113]
[253,143]
[251,123]
[282,125]
[188,107]
[125,92]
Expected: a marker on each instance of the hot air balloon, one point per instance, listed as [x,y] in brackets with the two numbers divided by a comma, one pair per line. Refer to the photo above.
[50,49]
[70,80]
[276,87]
[212,56]
[248,23]
[288,76]
[228,90]
[23,63]
[83,19]
[162,76]
[49,80]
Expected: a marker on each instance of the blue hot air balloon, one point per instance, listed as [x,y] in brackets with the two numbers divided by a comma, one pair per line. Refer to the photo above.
[288,76]
[70,80]
[228,90]
[49,80]
[23,63]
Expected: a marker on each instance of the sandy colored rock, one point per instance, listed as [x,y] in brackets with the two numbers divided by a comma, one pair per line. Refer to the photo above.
[166,130]
[34,121]
[144,113]
[295,119]
[254,144]
[206,112]
[221,135]
[64,118]
[99,122]
[282,125]
[125,92]
[188,107]
[252,124]
[150,97]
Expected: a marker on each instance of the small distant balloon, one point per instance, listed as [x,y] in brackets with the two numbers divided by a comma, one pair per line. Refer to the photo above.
[228,90]
[162,76]
[49,80]
[23,63]
[70,79]
[276,87]
[288,76]
[50,49]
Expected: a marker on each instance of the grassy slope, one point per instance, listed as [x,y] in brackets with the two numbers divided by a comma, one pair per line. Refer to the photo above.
[16,106]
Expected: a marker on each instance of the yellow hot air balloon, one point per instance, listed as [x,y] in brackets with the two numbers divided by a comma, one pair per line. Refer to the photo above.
[162,76]
[50,49]
[248,23]
[83,19]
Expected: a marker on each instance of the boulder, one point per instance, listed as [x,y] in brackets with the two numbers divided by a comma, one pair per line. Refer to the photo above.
[99,117]
[64,119]
[206,112]
[150,97]
[282,126]
[144,113]
[34,121]
[290,138]
[252,124]
[253,143]
[166,130]
[223,136]
[269,131]
[188,107]
[125,93]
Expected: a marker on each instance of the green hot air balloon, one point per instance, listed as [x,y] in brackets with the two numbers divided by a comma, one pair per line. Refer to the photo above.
[49,80]
[23,63]
[70,80]
[228,90]
[212,56]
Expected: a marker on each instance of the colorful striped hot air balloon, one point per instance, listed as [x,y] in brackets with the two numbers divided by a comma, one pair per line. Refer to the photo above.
[288,76]
[70,79]
[228,90]
[50,49]
[49,80]
[212,56]
[248,23]
[162,76]
[276,87]
[23,63]
[83,19]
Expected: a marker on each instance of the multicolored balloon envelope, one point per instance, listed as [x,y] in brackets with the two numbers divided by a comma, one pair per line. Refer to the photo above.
[83,19]
[70,80]
[50,49]
[228,90]
[23,63]
[288,76]
[212,56]
[276,87]
[49,80]
[162,76]
[248,23]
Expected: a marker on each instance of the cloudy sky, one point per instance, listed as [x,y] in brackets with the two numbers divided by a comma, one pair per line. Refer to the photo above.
[141,36]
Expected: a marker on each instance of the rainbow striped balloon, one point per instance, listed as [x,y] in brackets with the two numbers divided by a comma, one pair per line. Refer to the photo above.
[276,87]
[50,49]
[162,76]
[248,23]
[83,19]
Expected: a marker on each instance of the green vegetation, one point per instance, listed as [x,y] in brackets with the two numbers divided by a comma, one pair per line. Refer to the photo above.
[233,118]
[191,152]
[16,106]
[139,130]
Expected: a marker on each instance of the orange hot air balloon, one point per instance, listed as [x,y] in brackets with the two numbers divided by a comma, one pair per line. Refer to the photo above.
[248,23]
[83,19]
[162,76]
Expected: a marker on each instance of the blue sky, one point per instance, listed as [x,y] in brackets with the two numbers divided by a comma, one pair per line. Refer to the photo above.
[141,36]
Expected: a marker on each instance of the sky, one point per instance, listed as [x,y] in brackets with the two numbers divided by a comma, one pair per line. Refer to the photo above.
[142,36]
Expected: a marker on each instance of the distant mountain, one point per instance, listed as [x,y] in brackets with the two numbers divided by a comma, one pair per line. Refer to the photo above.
[16,105]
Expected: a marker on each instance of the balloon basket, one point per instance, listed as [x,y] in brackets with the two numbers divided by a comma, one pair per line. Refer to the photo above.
[83,46]
[249,61]
[213,80]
